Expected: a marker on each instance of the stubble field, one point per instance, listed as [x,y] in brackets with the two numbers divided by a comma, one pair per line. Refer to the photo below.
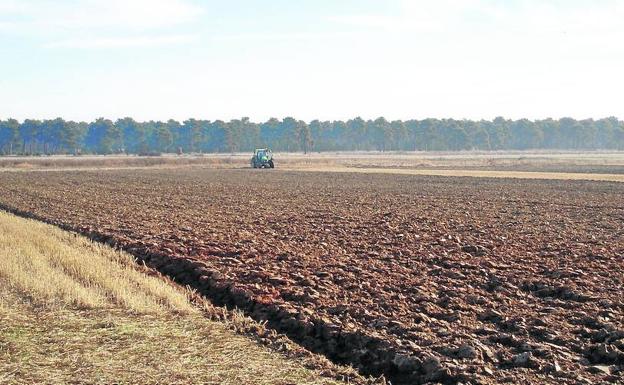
[419,278]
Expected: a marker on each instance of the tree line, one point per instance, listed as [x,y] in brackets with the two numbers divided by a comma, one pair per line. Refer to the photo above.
[104,136]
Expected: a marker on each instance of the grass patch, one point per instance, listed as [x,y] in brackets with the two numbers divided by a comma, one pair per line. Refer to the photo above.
[51,265]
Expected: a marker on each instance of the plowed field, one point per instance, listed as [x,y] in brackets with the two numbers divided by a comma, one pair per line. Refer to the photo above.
[420,278]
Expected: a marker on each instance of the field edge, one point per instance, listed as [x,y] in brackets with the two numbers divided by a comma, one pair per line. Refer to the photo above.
[232,318]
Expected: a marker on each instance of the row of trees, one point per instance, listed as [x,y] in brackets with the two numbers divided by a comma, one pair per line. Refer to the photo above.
[103,136]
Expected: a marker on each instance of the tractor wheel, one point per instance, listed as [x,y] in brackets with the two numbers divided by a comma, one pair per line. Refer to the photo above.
[271,164]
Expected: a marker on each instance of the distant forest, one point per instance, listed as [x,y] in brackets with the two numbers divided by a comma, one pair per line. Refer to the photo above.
[103,136]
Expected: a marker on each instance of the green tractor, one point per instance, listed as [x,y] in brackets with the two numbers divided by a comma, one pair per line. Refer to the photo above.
[262,158]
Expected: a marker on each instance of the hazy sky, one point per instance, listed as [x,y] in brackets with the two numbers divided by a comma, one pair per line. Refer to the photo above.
[327,59]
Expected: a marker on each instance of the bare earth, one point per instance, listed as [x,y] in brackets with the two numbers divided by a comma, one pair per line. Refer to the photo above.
[420,278]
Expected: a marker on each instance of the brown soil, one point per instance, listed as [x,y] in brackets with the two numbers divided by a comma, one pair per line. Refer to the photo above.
[418,278]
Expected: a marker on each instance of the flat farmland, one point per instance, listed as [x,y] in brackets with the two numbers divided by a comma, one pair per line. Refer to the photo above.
[419,278]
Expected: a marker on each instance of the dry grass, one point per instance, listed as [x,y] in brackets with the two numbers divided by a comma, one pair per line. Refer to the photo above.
[51,265]
[75,312]
[472,173]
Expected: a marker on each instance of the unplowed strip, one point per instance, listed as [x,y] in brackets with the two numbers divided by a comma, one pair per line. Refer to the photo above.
[470,173]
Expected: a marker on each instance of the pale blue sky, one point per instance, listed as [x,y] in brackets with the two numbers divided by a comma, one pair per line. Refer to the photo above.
[327,59]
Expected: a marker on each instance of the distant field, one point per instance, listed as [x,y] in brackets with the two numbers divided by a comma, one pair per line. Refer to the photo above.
[608,166]
[72,311]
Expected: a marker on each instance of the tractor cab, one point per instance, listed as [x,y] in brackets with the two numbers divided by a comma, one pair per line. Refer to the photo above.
[262,158]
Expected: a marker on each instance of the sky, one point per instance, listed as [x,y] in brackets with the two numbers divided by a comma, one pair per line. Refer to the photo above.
[311,59]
